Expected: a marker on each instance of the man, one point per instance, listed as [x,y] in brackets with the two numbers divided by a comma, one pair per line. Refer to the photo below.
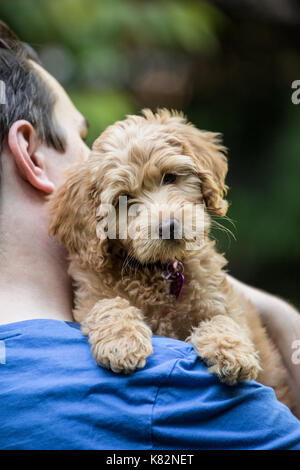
[53,395]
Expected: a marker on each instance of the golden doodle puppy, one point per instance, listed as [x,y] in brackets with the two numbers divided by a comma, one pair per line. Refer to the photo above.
[135,219]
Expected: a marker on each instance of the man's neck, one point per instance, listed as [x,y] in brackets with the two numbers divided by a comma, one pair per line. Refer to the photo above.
[33,277]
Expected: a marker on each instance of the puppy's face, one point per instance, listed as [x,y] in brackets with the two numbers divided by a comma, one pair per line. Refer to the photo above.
[147,184]
[151,191]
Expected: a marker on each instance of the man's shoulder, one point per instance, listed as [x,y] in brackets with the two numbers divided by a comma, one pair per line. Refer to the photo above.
[55,396]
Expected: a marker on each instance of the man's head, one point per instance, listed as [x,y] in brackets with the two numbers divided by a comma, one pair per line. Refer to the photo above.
[41,131]
[41,134]
[26,95]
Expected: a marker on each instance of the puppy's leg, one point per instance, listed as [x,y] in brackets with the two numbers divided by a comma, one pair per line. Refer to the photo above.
[226,349]
[120,338]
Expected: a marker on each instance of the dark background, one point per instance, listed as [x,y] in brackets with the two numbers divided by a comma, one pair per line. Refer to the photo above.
[229,65]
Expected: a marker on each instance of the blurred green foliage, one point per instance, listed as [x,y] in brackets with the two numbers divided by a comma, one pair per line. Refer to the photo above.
[102,36]
[113,105]
[227,73]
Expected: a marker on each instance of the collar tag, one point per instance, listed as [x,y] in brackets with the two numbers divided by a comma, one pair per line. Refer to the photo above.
[174,273]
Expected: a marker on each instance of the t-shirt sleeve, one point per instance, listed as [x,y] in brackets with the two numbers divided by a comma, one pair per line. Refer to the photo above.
[194,410]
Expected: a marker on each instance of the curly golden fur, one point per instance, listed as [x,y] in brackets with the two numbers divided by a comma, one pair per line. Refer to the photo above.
[121,296]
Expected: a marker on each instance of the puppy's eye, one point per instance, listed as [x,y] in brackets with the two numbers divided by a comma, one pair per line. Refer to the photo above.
[169,178]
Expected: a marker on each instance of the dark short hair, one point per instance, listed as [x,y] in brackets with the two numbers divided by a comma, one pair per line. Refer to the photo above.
[27,96]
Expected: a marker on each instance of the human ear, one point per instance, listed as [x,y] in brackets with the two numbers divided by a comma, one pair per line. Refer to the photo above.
[25,148]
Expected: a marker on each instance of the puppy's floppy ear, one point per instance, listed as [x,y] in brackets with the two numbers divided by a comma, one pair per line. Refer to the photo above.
[211,163]
[73,209]
[207,152]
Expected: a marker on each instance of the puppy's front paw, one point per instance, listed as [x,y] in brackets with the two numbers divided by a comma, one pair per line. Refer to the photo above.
[120,339]
[226,350]
[125,353]
[233,368]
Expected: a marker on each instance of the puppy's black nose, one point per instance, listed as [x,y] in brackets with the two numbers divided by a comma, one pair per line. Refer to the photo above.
[167,229]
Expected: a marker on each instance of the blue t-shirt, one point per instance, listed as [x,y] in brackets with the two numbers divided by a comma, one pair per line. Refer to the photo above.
[54,396]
